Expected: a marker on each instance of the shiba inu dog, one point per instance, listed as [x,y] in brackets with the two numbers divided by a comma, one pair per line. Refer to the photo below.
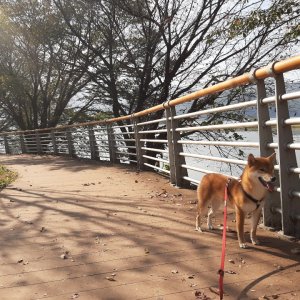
[246,195]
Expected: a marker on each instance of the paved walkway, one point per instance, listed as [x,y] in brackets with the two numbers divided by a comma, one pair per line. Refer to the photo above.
[73,229]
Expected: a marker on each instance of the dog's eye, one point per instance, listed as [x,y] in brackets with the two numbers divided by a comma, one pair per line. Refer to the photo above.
[263,170]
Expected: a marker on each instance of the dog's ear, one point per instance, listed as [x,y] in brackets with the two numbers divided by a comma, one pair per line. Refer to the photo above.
[272,158]
[251,160]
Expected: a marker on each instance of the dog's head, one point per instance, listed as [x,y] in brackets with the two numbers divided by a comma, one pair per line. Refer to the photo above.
[262,169]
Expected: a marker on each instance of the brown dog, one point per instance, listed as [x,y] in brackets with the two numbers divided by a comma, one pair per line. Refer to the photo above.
[246,195]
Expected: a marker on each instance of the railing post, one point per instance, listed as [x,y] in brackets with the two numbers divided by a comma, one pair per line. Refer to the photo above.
[287,159]
[22,143]
[270,218]
[138,144]
[39,149]
[176,160]
[53,138]
[70,142]
[93,144]
[111,144]
[6,145]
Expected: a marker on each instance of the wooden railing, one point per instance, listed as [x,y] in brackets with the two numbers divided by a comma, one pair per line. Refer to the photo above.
[167,149]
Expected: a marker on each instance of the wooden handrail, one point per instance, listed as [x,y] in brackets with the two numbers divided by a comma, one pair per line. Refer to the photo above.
[262,73]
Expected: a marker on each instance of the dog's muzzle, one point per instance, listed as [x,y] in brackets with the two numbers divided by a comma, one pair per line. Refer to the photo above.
[268,184]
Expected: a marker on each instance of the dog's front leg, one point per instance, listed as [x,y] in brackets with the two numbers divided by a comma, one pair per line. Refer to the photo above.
[240,219]
[254,222]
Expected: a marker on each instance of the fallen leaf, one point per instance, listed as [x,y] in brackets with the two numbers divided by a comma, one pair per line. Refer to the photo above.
[174,271]
[230,272]
[201,296]
[278,267]
[197,293]
[64,255]
[146,251]
[74,296]
[110,278]
[231,261]
[191,276]
[20,261]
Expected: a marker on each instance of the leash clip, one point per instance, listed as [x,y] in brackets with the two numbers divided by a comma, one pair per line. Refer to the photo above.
[228,182]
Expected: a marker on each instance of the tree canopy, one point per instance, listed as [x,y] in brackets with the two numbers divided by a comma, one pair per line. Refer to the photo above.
[40,64]
[122,56]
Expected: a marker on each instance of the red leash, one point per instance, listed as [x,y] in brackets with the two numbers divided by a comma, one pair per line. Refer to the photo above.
[221,270]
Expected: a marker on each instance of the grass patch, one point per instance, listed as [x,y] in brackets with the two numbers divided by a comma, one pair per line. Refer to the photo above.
[6,177]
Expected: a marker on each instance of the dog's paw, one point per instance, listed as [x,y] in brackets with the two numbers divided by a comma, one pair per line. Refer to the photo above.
[243,245]
[198,229]
[255,242]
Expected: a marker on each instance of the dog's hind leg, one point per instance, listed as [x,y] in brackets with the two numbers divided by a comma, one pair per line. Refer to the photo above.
[215,206]
[201,211]
[198,222]
[209,218]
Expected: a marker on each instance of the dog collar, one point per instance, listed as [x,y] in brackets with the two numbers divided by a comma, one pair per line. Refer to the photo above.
[257,202]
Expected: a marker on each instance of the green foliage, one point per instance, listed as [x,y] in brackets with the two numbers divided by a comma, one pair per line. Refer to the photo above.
[267,18]
[6,177]
[166,167]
